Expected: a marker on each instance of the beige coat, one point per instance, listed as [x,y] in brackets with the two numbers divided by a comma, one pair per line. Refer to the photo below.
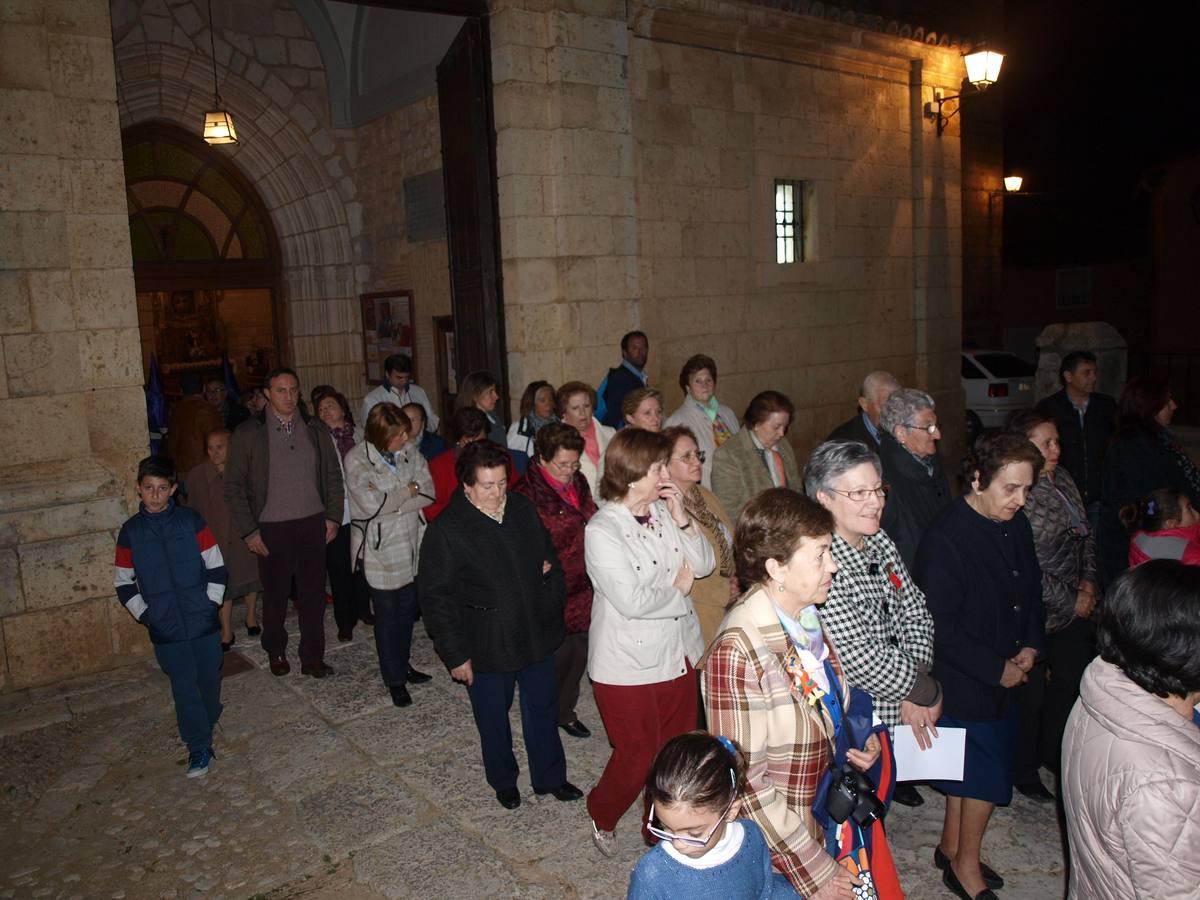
[711,594]
[739,473]
[1131,787]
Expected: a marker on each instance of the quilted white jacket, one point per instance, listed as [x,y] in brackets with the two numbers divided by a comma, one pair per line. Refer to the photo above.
[1131,785]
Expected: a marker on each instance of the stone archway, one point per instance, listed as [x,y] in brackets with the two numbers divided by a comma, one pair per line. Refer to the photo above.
[295,168]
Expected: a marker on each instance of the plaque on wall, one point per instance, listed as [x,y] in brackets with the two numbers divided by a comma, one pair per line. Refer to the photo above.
[387,329]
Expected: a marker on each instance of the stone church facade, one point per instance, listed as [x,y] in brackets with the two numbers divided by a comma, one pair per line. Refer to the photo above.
[638,145]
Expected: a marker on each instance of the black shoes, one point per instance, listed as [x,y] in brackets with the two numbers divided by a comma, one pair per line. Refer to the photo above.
[415,677]
[510,798]
[907,795]
[576,729]
[401,696]
[253,630]
[950,880]
[317,670]
[565,792]
[345,637]
[280,666]
[1035,791]
[225,647]
[990,878]
[367,619]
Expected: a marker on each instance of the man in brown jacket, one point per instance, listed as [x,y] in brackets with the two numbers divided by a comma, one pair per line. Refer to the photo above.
[284,488]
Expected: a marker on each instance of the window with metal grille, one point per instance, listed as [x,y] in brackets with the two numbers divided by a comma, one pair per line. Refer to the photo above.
[789,221]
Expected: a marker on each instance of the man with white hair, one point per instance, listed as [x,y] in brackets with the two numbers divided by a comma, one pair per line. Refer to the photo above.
[864,425]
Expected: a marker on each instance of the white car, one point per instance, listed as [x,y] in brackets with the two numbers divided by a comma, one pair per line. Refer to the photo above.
[995,382]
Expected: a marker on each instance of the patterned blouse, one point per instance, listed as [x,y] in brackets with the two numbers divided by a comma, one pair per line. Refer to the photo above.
[877,618]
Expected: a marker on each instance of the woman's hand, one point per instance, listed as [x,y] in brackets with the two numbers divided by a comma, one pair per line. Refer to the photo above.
[866,757]
[413,489]
[1085,600]
[463,674]
[922,720]
[840,887]
[1013,675]
[669,491]
[545,567]
[1025,659]
[684,578]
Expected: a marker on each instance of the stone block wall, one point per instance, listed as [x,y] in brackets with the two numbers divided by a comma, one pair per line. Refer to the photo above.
[637,149]
[394,150]
[72,410]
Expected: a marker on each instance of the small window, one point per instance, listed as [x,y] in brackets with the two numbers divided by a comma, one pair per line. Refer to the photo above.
[1006,365]
[789,221]
[970,370]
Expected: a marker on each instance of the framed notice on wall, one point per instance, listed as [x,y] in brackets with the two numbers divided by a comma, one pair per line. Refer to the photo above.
[387,329]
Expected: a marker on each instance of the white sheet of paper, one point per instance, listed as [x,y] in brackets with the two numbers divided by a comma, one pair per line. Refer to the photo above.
[941,762]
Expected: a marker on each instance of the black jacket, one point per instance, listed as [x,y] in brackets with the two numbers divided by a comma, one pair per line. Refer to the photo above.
[620,382]
[983,587]
[915,497]
[1083,447]
[854,430]
[482,592]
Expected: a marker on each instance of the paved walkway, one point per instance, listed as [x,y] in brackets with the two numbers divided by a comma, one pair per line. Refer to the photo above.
[323,789]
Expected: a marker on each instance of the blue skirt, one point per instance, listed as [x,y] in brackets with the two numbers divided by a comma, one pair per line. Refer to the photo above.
[988,764]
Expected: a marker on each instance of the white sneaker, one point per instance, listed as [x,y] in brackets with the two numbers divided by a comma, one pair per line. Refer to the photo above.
[605,841]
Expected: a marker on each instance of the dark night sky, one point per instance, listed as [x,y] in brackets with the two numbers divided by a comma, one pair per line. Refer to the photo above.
[1095,96]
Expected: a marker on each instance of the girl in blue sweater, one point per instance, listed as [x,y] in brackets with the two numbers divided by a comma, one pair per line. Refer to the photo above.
[705,850]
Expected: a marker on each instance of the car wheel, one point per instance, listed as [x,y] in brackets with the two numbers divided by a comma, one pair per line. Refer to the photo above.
[974,427]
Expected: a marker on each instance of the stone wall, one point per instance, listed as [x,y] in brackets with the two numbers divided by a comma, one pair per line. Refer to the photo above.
[637,147]
[396,150]
[72,410]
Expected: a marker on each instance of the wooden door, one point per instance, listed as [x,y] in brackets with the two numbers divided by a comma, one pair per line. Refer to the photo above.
[472,221]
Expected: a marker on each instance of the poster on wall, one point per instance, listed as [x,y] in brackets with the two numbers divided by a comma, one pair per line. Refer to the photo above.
[387,329]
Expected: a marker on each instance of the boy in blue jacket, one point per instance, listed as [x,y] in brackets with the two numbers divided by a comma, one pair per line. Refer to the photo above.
[171,578]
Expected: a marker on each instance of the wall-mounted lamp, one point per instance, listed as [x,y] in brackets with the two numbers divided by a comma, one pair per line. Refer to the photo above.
[218,123]
[983,69]
[1012,183]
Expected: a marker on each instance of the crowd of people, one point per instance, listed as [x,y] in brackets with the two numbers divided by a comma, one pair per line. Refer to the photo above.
[754,628]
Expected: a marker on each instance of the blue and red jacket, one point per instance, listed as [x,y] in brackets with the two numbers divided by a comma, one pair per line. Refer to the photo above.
[170,575]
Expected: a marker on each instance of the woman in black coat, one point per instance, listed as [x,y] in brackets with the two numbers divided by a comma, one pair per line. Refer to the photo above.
[979,570]
[491,592]
[1143,457]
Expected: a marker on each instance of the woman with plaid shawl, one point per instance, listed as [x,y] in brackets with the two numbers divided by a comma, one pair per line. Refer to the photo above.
[773,684]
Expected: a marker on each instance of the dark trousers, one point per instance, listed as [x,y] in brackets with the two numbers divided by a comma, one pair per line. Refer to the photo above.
[194,668]
[350,593]
[295,553]
[395,612]
[491,698]
[570,662]
[639,719]
[1047,698]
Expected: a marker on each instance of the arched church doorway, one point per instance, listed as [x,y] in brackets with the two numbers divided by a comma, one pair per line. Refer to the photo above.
[205,259]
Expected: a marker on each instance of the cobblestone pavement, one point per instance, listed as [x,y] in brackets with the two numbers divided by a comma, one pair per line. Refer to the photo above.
[323,789]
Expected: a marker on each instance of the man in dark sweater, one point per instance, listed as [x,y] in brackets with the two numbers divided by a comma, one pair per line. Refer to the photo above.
[1085,423]
[864,425]
[629,376]
[284,486]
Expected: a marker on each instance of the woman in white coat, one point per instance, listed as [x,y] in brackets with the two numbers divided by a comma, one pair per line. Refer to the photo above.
[387,484]
[576,401]
[712,422]
[643,552]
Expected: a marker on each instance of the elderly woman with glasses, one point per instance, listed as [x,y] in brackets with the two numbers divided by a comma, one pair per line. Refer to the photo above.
[711,421]
[875,613]
[758,457]
[918,489]
[711,594]
[644,552]
[564,503]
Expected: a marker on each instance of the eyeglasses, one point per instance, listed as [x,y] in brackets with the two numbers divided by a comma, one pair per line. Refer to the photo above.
[864,494]
[697,455]
[930,429]
[565,467]
[663,835]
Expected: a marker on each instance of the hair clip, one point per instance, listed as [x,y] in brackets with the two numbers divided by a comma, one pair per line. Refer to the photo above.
[728,745]
[1150,507]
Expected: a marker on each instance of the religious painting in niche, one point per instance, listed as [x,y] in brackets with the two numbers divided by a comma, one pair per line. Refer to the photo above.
[387,329]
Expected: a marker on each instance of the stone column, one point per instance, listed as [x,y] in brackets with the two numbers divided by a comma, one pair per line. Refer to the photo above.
[564,152]
[72,409]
